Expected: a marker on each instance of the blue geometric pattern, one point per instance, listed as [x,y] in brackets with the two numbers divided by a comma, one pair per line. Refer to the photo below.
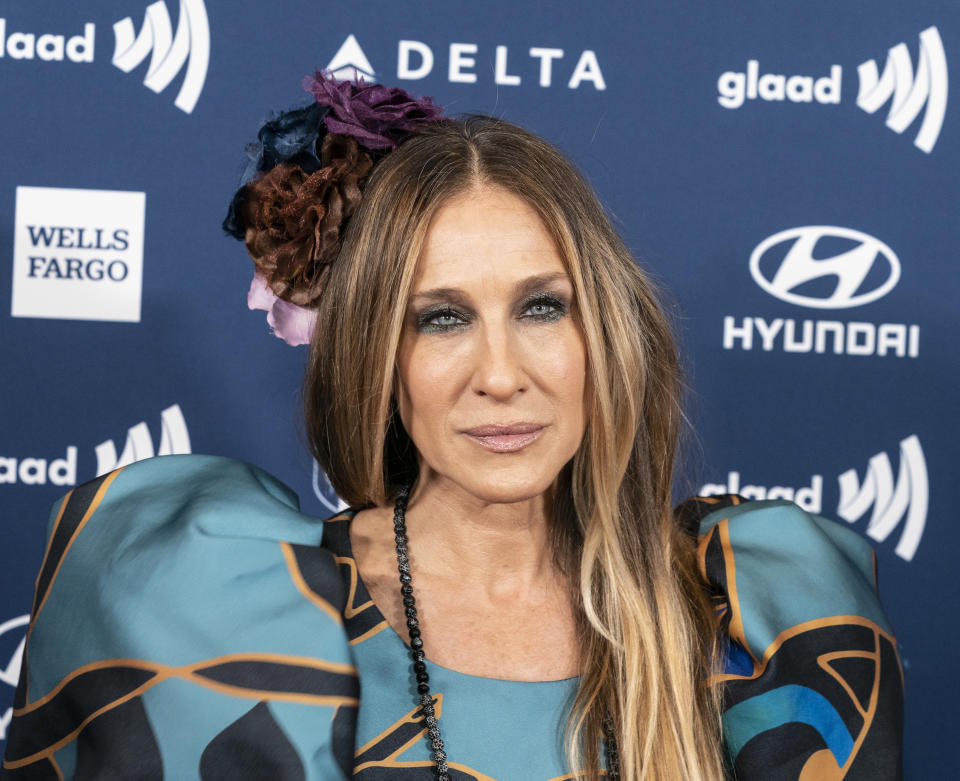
[783,705]
[190,622]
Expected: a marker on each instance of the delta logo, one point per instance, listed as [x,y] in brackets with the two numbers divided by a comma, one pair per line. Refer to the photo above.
[186,49]
[415,60]
[908,90]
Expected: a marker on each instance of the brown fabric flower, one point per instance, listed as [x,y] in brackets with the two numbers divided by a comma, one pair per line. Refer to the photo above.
[294,219]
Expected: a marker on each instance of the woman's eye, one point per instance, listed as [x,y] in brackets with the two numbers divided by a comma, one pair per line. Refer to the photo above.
[545,308]
[442,320]
[535,309]
[541,309]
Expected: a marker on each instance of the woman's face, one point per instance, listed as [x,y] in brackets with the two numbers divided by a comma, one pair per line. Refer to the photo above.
[492,365]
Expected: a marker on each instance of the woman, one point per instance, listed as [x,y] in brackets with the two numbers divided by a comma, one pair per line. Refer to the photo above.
[494,391]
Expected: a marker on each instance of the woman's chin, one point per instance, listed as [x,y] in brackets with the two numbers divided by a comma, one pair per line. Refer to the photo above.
[504,489]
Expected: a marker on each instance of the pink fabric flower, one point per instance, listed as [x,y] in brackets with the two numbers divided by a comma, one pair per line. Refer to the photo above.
[294,324]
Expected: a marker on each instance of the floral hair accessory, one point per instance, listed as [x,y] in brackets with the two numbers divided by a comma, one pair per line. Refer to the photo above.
[294,219]
[377,116]
[294,324]
[303,179]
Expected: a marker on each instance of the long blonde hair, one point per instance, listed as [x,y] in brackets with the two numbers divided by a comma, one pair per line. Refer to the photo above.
[646,632]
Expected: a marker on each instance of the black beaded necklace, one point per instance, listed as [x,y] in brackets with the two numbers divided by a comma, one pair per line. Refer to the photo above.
[420,668]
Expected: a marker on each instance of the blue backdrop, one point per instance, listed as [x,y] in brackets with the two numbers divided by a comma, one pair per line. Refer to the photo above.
[789,171]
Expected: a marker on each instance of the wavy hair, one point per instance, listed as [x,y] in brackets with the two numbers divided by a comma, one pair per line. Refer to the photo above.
[646,631]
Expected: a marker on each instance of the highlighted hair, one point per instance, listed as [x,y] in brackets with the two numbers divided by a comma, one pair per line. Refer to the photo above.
[646,630]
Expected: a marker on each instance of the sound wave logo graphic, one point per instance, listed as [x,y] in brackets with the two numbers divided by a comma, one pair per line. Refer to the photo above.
[174,439]
[909,92]
[168,52]
[904,501]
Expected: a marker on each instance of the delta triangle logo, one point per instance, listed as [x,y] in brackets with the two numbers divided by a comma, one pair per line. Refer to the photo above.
[350,63]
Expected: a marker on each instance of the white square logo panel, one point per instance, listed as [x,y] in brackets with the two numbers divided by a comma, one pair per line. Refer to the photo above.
[78,254]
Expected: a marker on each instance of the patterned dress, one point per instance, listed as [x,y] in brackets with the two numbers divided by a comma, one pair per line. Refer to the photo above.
[190,623]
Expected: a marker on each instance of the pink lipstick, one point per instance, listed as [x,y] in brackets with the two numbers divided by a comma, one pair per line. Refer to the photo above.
[505,439]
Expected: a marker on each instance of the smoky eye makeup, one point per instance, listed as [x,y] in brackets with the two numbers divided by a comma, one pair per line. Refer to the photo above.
[440,318]
[544,306]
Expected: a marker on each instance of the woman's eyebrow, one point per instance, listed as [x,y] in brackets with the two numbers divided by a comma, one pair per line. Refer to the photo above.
[440,295]
[458,295]
[531,284]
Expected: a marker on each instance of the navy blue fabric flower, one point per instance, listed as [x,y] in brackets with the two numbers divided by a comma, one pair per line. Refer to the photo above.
[292,137]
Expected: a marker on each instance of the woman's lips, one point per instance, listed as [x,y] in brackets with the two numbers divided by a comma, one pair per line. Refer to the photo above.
[505,439]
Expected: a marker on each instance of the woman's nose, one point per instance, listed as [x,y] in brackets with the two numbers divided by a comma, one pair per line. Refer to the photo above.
[498,369]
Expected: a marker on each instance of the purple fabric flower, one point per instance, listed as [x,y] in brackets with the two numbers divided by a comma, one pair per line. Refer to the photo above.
[294,324]
[377,116]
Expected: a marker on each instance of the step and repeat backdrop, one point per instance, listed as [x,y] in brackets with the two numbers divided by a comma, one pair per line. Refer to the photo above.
[788,171]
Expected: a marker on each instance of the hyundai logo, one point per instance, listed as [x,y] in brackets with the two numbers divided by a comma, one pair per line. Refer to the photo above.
[324,491]
[11,673]
[850,269]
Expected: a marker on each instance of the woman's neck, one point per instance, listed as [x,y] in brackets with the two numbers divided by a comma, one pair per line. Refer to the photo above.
[489,599]
[501,549]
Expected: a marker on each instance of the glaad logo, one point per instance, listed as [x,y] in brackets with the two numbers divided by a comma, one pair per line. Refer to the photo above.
[824,267]
[168,52]
[15,629]
[810,497]
[735,88]
[174,439]
[78,254]
[903,501]
[850,268]
[40,471]
[49,47]
[415,60]
[909,93]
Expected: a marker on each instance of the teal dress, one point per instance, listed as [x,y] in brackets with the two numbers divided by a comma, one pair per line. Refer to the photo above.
[190,623]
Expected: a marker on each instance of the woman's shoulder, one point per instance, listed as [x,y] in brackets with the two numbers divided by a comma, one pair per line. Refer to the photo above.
[169,527]
[811,663]
[772,550]
[221,496]
[186,531]
[175,593]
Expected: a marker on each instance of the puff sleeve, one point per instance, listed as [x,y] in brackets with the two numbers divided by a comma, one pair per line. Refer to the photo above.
[813,688]
[186,624]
